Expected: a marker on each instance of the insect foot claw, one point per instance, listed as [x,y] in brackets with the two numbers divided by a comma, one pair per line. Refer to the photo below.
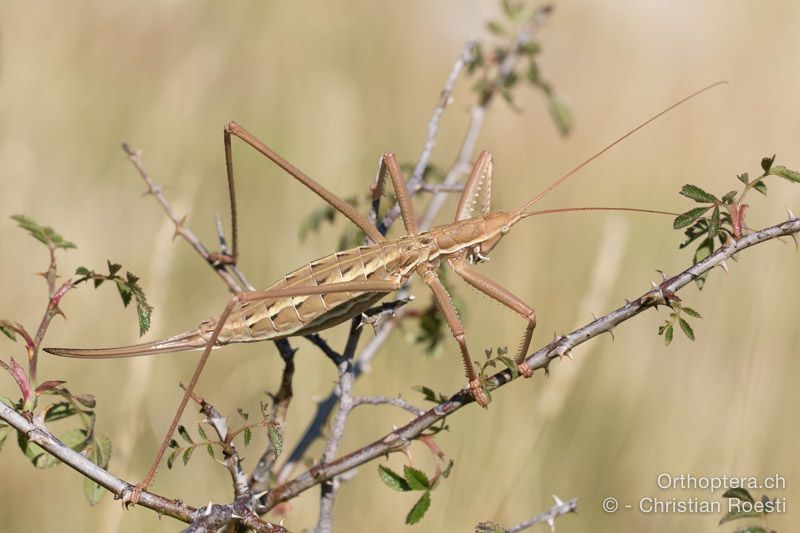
[525,370]
[130,496]
[477,392]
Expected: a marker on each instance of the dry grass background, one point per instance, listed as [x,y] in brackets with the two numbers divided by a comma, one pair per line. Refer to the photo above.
[333,85]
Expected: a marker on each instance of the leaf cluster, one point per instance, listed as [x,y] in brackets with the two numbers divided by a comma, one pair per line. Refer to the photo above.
[128,288]
[678,316]
[413,479]
[764,504]
[513,37]
[722,218]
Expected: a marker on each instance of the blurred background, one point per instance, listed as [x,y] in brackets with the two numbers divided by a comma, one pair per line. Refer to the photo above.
[331,87]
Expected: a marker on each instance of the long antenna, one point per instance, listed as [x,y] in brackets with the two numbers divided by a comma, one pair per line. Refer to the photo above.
[569,174]
[568,209]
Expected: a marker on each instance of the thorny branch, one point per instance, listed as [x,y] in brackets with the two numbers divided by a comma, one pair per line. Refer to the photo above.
[548,517]
[400,438]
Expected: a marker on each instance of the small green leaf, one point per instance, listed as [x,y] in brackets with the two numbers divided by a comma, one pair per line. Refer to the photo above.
[43,234]
[243,414]
[82,271]
[75,438]
[728,198]
[761,187]
[690,216]
[276,440]
[791,175]
[416,479]
[86,400]
[210,450]
[691,312]
[187,454]
[766,163]
[392,479]
[713,226]
[113,268]
[744,178]
[495,28]
[8,332]
[420,508]
[172,457]
[668,335]
[248,434]
[561,115]
[201,432]
[60,410]
[99,454]
[93,492]
[511,365]
[183,432]
[740,494]
[427,392]
[697,194]
[687,329]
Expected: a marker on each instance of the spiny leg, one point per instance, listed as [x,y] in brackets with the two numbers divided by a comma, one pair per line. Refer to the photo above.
[502,295]
[451,316]
[389,164]
[482,172]
[337,203]
[348,286]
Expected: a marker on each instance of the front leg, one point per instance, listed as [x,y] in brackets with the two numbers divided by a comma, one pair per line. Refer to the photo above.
[502,295]
[451,316]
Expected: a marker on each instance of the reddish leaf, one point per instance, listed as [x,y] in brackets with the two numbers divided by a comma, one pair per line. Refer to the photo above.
[48,385]
[18,373]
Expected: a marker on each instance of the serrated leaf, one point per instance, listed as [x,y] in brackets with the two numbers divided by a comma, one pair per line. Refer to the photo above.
[766,163]
[43,234]
[427,392]
[113,268]
[791,175]
[102,451]
[248,434]
[668,335]
[276,440]
[744,178]
[740,494]
[690,216]
[761,187]
[183,432]
[82,271]
[691,312]
[687,329]
[416,479]
[697,194]
[392,479]
[420,508]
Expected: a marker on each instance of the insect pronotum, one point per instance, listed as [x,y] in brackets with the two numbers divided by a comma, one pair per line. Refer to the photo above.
[340,286]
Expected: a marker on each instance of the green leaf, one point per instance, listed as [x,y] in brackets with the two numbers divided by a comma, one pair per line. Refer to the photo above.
[420,508]
[713,226]
[99,454]
[691,312]
[687,329]
[172,457]
[86,400]
[766,163]
[751,529]
[697,194]
[740,494]
[183,432]
[668,335]
[210,450]
[83,271]
[113,268]
[687,218]
[561,115]
[510,364]
[201,432]
[60,410]
[276,440]
[187,454]
[744,178]
[8,332]
[43,234]
[791,175]
[761,187]
[495,28]
[248,434]
[392,479]
[416,479]
[728,198]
